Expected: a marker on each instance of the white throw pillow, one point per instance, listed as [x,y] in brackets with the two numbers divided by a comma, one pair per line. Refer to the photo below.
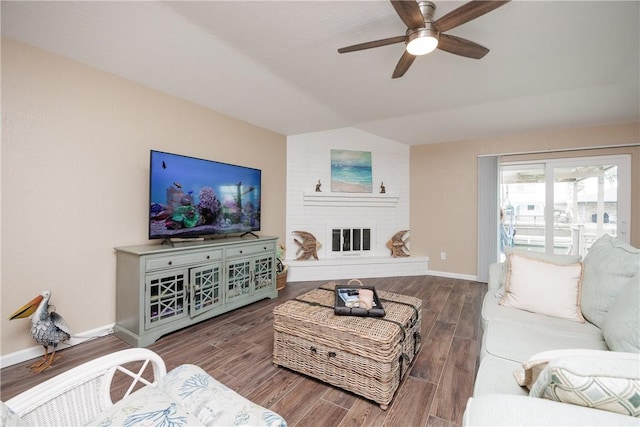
[543,287]
[560,259]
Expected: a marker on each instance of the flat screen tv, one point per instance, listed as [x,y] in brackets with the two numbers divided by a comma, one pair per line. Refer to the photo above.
[191,197]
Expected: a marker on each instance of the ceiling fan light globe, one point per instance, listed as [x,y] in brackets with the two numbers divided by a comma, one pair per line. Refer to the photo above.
[422,40]
[422,45]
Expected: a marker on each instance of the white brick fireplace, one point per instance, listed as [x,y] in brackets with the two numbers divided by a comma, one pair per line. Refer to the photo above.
[352,228]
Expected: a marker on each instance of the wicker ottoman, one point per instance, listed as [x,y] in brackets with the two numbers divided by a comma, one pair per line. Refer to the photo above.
[365,355]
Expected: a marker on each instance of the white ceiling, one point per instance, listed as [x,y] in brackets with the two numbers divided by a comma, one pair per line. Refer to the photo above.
[552,64]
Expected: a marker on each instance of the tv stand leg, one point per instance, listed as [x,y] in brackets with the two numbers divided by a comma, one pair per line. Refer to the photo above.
[249,232]
[168,241]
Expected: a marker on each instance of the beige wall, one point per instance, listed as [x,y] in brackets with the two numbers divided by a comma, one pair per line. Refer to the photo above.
[75,152]
[444,187]
[75,158]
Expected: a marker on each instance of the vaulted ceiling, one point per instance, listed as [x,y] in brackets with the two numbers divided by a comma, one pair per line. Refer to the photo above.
[552,64]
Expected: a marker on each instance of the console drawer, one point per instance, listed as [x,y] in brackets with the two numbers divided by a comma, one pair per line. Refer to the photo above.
[166,261]
[251,249]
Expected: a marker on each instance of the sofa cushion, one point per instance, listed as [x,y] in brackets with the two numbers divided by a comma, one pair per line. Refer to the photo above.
[508,410]
[560,259]
[604,380]
[147,406]
[497,276]
[518,342]
[8,418]
[621,328]
[492,310]
[495,376]
[187,395]
[213,402]
[543,287]
[609,266]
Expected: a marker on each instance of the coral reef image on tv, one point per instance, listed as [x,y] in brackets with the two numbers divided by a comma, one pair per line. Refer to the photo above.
[191,197]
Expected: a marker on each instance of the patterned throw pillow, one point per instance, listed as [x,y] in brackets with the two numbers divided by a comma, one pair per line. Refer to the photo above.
[531,369]
[609,384]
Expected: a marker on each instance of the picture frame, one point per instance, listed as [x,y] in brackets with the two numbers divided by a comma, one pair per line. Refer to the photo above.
[351,171]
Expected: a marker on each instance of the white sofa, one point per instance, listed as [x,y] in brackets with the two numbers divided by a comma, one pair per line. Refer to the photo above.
[185,396]
[572,360]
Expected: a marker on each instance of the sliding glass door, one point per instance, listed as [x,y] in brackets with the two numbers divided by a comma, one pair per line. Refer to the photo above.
[563,205]
[523,195]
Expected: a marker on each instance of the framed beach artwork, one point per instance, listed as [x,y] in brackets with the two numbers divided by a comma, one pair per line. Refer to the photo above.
[351,171]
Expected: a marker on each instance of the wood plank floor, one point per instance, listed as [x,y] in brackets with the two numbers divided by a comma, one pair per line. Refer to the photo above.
[236,348]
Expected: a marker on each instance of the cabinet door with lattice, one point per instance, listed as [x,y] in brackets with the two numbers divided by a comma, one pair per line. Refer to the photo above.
[205,288]
[167,297]
[239,276]
[264,274]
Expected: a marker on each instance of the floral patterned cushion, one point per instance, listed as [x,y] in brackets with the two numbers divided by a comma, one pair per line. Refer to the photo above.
[146,407]
[8,418]
[188,396]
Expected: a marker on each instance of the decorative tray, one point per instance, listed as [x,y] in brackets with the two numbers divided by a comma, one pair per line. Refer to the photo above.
[357,300]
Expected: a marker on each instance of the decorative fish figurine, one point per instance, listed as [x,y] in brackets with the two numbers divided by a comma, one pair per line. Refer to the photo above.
[398,245]
[308,247]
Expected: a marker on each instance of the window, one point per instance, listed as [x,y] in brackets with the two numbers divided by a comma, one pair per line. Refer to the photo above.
[563,205]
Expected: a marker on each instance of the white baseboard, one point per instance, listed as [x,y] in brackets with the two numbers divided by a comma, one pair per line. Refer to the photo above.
[37,351]
[452,275]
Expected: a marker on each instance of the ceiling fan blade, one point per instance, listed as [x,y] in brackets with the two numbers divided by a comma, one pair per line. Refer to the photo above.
[462,47]
[409,12]
[466,13]
[403,65]
[375,43]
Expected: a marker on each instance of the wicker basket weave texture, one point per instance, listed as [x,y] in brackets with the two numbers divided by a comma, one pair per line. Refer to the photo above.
[373,380]
[367,336]
[64,410]
[281,278]
[368,356]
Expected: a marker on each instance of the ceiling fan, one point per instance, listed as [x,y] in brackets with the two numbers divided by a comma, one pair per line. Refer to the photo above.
[425,35]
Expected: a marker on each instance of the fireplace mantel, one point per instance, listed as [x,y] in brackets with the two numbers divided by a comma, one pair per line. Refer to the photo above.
[356,267]
[381,200]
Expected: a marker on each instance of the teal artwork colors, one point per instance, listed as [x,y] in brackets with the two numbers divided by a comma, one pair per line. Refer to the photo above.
[351,171]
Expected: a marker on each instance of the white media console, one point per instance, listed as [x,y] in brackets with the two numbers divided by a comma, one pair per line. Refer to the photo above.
[163,288]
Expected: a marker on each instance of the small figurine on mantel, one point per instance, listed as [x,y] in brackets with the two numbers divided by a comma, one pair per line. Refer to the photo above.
[318,185]
[382,188]
[398,245]
[308,247]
